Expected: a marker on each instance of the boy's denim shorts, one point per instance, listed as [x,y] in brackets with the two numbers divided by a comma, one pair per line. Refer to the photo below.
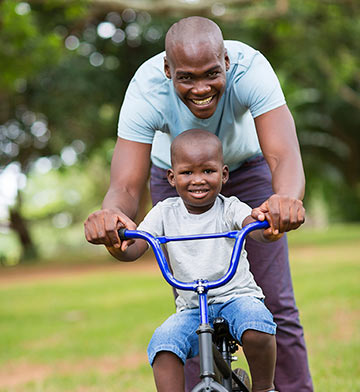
[178,333]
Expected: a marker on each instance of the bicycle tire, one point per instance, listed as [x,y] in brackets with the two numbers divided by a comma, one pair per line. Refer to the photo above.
[244,378]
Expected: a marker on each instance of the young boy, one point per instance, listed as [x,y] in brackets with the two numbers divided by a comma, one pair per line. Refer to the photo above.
[198,173]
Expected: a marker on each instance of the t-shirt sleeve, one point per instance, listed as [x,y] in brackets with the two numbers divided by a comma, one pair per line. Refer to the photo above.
[153,222]
[258,87]
[238,211]
[138,119]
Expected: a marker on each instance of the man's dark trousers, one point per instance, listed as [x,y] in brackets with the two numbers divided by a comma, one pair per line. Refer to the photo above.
[269,263]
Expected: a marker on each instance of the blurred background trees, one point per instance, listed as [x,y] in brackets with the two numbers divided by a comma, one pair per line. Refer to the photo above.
[64,70]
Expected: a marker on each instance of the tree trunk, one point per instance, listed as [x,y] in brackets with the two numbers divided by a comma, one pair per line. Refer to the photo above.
[20,226]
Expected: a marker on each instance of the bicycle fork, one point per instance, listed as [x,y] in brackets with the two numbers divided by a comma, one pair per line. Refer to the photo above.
[207,371]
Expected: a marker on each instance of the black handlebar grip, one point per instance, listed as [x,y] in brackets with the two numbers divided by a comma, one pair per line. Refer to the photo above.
[121,233]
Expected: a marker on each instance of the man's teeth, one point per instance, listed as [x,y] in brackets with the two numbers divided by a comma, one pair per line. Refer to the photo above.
[202,101]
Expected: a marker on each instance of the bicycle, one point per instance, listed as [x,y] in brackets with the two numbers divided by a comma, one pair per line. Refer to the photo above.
[216,345]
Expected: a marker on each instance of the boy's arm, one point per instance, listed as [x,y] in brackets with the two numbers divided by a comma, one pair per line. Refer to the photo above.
[266,235]
[129,253]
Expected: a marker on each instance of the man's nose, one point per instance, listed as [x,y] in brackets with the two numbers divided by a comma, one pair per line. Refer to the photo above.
[201,87]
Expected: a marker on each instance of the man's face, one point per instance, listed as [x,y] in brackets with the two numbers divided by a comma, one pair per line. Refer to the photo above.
[199,76]
[198,175]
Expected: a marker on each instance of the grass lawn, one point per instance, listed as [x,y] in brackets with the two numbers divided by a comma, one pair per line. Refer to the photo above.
[87,330]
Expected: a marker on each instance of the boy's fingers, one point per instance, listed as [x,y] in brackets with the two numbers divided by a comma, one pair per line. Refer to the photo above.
[125,244]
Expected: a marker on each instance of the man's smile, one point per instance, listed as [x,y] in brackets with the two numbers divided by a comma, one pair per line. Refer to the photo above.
[204,101]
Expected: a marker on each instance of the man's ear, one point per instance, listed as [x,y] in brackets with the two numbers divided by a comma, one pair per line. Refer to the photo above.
[227,61]
[225,174]
[167,68]
[171,177]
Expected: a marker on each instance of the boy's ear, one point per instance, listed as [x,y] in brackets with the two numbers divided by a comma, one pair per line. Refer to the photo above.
[225,174]
[171,177]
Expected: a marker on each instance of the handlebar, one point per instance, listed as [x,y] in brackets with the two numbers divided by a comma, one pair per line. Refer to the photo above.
[156,242]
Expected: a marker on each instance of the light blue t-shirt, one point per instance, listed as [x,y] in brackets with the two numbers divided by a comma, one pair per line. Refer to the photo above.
[153,113]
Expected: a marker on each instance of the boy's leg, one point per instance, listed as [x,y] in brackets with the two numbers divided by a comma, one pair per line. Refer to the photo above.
[270,266]
[168,372]
[251,323]
[170,345]
[260,352]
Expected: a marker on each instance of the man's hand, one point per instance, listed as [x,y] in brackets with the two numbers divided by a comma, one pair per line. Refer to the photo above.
[101,228]
[282,212]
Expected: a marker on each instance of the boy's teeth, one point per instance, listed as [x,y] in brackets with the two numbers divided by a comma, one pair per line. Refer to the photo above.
[202,101]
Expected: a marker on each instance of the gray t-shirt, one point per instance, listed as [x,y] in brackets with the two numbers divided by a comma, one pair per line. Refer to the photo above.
[205,259]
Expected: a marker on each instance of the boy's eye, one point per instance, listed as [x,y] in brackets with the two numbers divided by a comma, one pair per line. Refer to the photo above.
[184,77]
[208,171]
[187,172]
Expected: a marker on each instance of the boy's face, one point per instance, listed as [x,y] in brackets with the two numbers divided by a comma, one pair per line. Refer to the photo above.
[198,175]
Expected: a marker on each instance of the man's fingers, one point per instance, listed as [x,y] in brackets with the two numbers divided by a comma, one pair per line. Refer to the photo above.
[287,213]
[102,226]
[297,216]
[112,225]
[274,213]
[286,207]
[93,232]
[282,212]
[272,229]
[301,214]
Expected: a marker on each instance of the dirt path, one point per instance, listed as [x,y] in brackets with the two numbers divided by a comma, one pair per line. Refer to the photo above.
[15,375]
[41,271]
[34,272]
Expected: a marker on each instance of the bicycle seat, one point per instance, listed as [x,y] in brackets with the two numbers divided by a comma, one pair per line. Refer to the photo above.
[221,332]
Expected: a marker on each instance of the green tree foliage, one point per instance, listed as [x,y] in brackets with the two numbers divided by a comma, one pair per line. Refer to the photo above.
[65,67]
[313,47]
[64,108]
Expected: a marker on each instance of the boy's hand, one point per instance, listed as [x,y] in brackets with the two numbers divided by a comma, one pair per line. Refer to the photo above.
[266,235]
[269,236]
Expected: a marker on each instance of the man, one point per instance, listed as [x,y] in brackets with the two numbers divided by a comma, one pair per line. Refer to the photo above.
[231,90]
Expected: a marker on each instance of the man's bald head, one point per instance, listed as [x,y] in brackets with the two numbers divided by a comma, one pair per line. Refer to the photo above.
[194,31]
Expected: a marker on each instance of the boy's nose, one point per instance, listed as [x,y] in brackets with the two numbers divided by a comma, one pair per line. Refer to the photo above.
[198,179]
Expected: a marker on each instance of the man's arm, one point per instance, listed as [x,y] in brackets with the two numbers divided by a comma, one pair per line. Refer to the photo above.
[277,136]
[129,171]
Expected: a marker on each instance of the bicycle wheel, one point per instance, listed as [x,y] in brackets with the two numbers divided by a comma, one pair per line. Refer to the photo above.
[244,378]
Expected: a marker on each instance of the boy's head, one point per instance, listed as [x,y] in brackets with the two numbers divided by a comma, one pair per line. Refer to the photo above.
[198,171]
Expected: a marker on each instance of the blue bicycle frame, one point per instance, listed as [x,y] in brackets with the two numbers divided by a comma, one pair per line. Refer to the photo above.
[200,286]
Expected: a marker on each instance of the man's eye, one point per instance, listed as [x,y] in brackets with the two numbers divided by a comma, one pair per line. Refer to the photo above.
[213,74]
